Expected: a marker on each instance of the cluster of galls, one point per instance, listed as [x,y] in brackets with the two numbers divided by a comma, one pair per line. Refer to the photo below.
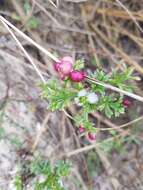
[65,69]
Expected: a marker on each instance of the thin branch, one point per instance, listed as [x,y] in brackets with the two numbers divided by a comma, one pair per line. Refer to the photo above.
[108,86]
[47,13]
[54,3]
[88,147]
[92,146]
[40,132]
[109,128]
[24,51]
[131,122]
[29,39]
[68,115]
[130,14]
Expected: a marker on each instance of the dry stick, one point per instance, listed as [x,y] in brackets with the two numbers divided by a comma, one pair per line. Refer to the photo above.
[24,51]
[118,126]
[131,122]
[29,39]
[83,149]
[130,14]
[67,114]
[86,148]
[40,133]
[92,146]
[47,13]
[76,173]
[119,14]
[121,30]
[110,170]
[91,41]
[108,86]
[54,3]
[117,49]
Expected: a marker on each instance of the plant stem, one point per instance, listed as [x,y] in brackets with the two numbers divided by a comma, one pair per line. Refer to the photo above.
[108,86]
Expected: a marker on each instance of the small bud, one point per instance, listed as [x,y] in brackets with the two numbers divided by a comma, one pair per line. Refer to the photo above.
[77,76]
[91,136]
[92,98]
[126,103]
[81,129]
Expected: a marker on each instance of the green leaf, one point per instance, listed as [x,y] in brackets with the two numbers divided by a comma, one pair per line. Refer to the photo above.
[113,132]
[18,182]
[132,139]
[82,119]
[107,145]
[100,75]
[57,96]
[119,79]
[62,168]
[111,105]
[27,7]
[79,64]
[98,89]
[53,174]
[39,166]
[2,132]
[95,61]
[33,23]
[15,141]
[108,111]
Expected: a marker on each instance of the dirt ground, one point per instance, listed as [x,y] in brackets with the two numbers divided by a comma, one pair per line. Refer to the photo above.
[107,35]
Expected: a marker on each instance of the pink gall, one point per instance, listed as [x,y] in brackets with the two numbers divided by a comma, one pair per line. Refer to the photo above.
[81,129]
[65,68]
[77,76]
[91,136]
[126,103]
[67,59]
